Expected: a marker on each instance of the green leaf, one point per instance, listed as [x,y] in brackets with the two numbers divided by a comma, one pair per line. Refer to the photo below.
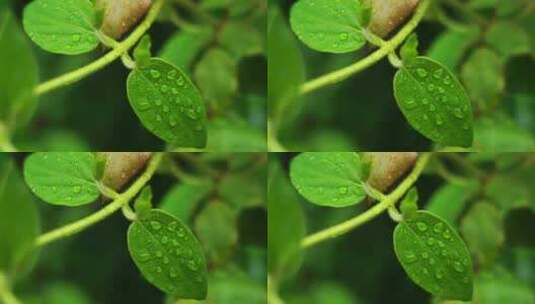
[235,287]
[483,229]
[234,135]
[508,39]
[240,39]
[508,192]
[286,225]
[409,204]
[450,46]
[183,198]
[19,221]
[168,103]
[483,76]
[216,227]
[434,102]
[500,286]
[499,133]
[232,190]
[183,47]
[328,26]
[63,293]
[216,76]
[62,178]
[328,178]
[142,53]
[168,255]
[143,203]
[283,83]
[449,201]
[17,102]
[434,256]
[62,26]
[409,49]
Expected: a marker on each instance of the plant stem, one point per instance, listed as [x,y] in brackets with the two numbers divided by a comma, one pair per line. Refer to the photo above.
[117,52]
[6,295]
[273,143]
[387,48]
[388,201]
[103,213]
[272,293]
[5,142]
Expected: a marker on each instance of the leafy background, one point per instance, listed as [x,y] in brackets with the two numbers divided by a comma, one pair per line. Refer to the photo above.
[361,267]
[95,266]
[94,113]
[361,112]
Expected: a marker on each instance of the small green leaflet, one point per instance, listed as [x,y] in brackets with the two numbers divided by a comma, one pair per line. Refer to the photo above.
[143,203]
[508,38]
[328,178]
[168,255]
[184,47]
[434,102]
[168,103]
[409,204]
[62,26]
[434,256]
[62,178]
[328,26]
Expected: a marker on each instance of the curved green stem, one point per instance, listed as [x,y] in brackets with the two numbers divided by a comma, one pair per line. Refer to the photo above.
[371,59]
[5,142]
[272,142]
[117,52]
[103,213]
[6,295]
[388,201]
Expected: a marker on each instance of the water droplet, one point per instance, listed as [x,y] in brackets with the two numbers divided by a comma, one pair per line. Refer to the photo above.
[432,261]
[439,275]
[77,189]
[446,234]
[458,113]
[344,36]
[144,256]
[443,99]
[431,87]
[444,253]
[421,72]
[171,74]
[458,267]
[441,244]
[165,260]
[342,190]
[192,114]
[465,262]
[164,88]
[159,254]
[165,109]
[143,104]
[438,227]
[172,273]
[430,241]
[441,90]
[180,81]
[158,269]
[76,37]
[432,108]
[425,255]
[421,226]
[164,240]
[438,73]
[425,101]
[174,91]
[410,257]
[438,120]
[172,121]
[155,74]
[447,80]
[425,271]
[158,117]
[155,225]
[411,104]
[171,226]
[192,265]
[158,102]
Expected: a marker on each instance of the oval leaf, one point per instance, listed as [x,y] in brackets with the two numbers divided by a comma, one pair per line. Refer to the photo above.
[168,255]
[434,102]
[62,178]
[328,178]
[168,103]
[62,26]
[328,26]
[434,256]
